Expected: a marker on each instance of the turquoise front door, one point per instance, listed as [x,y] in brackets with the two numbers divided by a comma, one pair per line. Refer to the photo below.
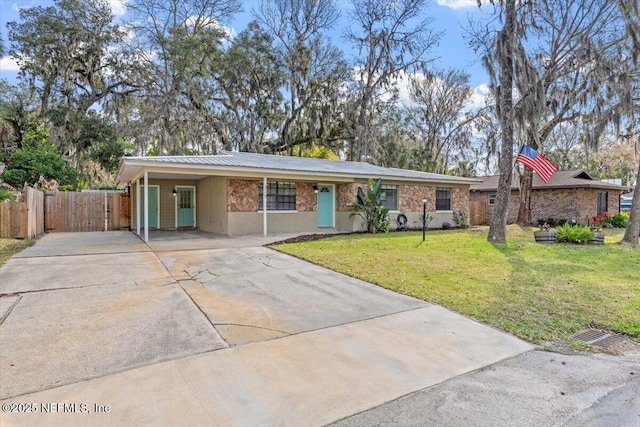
[153,206]
[186,207]
[325,206]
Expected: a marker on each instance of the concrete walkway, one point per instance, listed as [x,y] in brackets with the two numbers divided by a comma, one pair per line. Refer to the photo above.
[207,331]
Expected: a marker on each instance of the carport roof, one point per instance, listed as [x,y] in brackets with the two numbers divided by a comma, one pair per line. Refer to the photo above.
[131,167]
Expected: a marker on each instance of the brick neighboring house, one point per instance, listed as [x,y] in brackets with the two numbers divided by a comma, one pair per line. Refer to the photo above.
[572,195]
[244,193]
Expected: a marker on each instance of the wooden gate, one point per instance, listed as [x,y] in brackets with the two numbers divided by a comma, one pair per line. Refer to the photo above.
[24,219]
[86,211]
[478,213]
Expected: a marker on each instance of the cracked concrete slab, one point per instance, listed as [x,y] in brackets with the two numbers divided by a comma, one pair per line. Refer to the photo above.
[309,379]
[59,337]
[302,298]
[57,272]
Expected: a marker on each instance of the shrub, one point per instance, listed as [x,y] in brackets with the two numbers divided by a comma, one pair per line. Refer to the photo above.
[369,207]
[578,234]
[427,220]
[5,195]
[461,219]
[619,220]
[446,225]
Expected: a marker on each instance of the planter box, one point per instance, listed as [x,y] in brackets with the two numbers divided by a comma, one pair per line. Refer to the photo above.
[598,238]
[545,237]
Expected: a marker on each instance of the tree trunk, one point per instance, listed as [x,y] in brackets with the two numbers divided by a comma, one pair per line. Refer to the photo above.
[633,229]
[498,227]
[526,186]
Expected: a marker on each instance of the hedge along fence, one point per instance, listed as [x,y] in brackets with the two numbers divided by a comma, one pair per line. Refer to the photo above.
[25,219]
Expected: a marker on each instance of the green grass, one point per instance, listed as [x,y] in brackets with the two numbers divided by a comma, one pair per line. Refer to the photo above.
[541,293]
[10,247]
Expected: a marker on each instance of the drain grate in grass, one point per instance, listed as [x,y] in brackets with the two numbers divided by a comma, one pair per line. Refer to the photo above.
[599,338]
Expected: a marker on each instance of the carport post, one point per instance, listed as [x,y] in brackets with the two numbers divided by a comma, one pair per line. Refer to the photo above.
[146,206]
[138,206]
[264,205]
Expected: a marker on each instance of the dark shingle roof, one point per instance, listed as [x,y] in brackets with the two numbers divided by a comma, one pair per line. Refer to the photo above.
[561,179]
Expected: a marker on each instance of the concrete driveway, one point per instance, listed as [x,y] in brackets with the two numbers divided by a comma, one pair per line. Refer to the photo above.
[196,330]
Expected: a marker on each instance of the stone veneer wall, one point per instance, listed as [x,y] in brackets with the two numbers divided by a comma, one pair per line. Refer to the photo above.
[410,198]
[345,194]
[306,198]
[242,195]
[460,199]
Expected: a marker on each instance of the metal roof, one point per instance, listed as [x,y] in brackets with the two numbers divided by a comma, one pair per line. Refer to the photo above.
[560,179]
[268,163]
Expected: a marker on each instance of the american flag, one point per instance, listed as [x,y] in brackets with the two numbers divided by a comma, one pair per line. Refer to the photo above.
[536,161]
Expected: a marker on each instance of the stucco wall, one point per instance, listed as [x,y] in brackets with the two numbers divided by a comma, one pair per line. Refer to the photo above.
[167,201]
[212,205]
[245,223]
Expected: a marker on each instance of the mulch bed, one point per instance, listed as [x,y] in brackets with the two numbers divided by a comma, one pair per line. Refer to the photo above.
[310,238]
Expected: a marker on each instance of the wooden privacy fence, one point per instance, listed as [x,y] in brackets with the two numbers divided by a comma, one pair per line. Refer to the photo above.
[478,213]
[23,220]
[86,211]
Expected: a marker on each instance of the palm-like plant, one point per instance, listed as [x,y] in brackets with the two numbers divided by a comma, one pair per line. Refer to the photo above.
[369,206]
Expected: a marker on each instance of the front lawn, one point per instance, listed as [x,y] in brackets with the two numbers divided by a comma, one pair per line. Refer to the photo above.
[541,293]
[10,247]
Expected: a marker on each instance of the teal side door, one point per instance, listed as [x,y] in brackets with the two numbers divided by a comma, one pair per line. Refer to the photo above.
[186,207]
[325,206]
[153,207]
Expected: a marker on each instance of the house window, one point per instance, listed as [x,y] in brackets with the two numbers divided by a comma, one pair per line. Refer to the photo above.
[391,201]
[443,198]
[603,202]
[281,196]
[492,199]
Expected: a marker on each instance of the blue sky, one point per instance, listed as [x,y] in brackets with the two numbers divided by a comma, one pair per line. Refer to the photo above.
[449,16]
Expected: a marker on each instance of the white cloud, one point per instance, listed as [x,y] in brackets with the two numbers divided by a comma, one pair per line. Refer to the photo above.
[229,32]
[457,4]
[117,7]
[479,97]
[8,64]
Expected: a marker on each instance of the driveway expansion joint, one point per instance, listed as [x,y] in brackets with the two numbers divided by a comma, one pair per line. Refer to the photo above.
[6,315]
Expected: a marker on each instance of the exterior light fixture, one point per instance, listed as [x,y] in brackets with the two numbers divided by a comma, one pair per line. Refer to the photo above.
[174,193]
[315,189]
[424,216]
